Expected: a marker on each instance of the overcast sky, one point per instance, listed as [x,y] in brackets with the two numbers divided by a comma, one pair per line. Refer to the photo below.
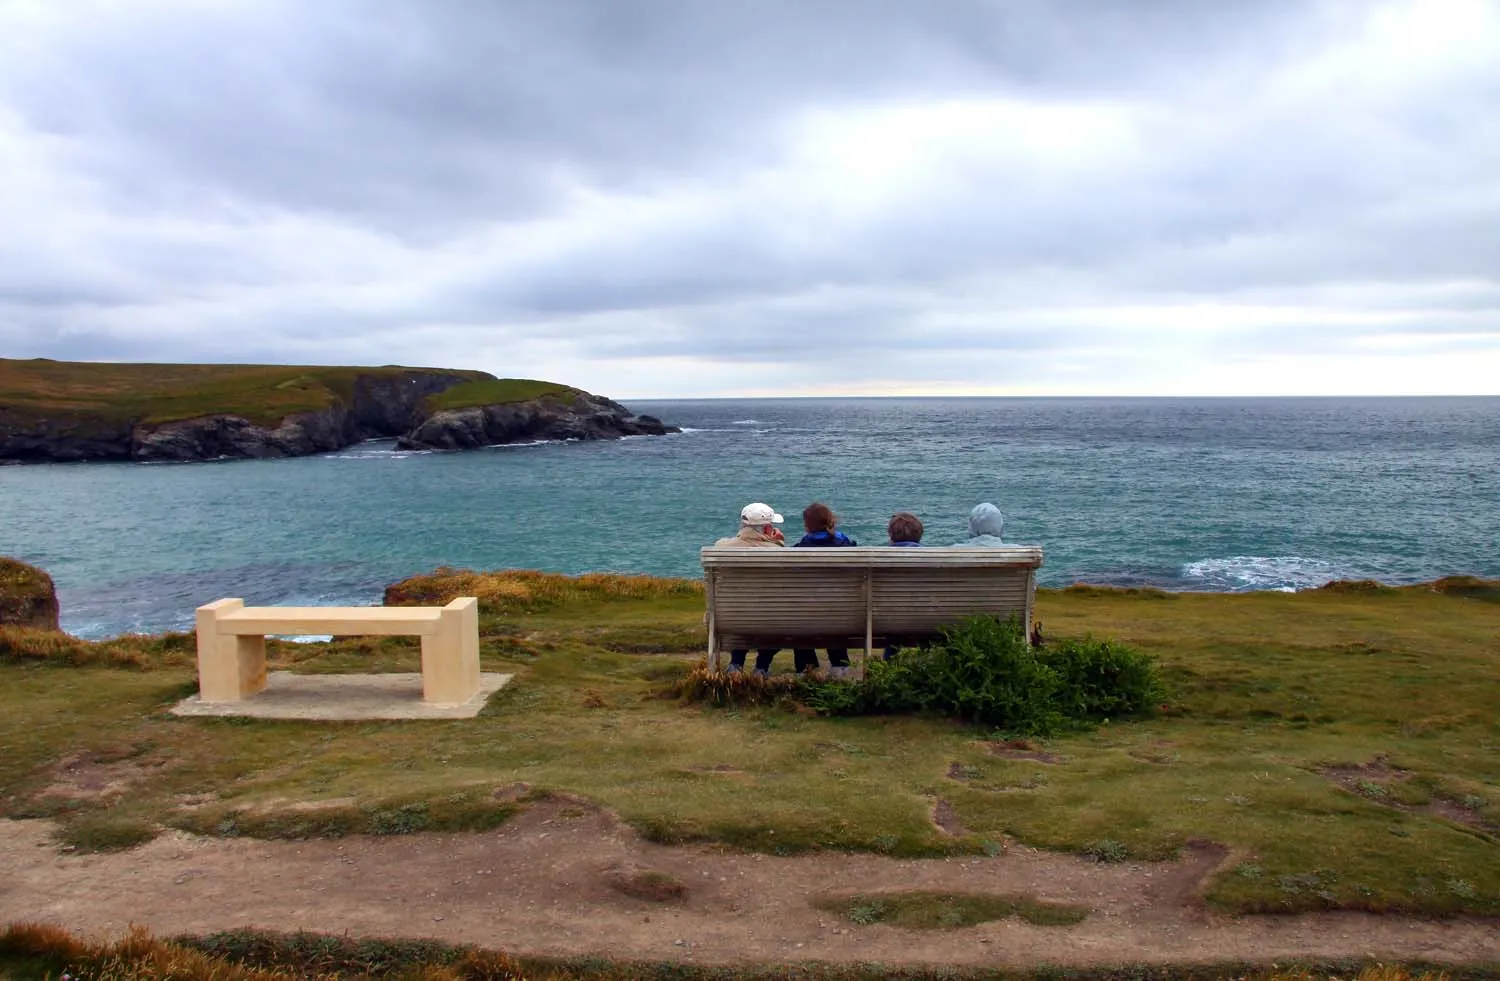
[751,197]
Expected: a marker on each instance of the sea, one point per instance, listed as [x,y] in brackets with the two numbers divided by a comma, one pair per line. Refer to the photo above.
[1220,494]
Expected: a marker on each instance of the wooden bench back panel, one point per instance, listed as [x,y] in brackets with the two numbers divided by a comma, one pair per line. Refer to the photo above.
[793,602]
[919,601]
[790,594]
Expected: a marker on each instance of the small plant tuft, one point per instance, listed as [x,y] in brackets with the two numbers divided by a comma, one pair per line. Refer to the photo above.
[1106,850]
[104,832]
[922,910]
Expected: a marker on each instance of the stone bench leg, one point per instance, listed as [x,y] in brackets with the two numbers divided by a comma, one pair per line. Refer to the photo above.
[450,657]
[230,668]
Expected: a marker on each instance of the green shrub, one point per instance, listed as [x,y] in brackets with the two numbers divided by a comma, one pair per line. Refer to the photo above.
[983,671]
[1099,679]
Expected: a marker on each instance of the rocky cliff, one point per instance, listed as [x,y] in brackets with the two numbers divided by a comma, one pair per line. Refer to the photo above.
[70,411]
[27,596]
[570,415]
[381,406]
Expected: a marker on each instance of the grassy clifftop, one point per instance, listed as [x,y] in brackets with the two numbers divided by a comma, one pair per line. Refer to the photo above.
[495,391]
[1340,746]
[158,393]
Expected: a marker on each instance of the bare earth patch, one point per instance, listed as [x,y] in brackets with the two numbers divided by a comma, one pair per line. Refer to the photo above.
[549,882]
[1021,749]
[86,776]
[1368,780]
[945,818]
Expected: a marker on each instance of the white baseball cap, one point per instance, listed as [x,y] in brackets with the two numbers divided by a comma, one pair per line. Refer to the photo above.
[759,514]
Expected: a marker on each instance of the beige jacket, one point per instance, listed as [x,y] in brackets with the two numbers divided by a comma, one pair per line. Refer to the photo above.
[749,537]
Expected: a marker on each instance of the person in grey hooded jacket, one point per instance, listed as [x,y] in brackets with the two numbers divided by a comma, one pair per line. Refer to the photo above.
[985,525]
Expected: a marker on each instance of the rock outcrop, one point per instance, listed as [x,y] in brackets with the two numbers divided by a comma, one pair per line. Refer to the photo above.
[360,404]
[62,437]
[27,596]
[382,405]
[575,415]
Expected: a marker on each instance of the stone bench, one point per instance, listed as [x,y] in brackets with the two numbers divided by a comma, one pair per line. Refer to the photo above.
[861,596]
[232,643]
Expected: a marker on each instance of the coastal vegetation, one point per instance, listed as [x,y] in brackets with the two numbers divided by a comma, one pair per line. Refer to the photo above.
[1342,744]
[161,393]
[496,391]
[982,671]
[28,597]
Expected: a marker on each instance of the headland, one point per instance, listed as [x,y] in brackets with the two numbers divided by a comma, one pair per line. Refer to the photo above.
[65,411]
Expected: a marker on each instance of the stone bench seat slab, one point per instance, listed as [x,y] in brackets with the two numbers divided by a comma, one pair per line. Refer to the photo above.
[337,622]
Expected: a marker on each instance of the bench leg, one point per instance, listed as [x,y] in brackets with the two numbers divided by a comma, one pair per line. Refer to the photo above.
[230,668]
[450,657]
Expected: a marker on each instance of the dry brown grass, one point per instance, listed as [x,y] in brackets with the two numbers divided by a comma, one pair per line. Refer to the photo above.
[33,950]
[513,591]
[137,651]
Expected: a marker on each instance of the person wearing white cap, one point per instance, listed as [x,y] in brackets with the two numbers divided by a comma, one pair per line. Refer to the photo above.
[757,530]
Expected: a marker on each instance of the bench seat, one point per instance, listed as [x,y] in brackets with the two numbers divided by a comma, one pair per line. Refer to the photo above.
[338,621]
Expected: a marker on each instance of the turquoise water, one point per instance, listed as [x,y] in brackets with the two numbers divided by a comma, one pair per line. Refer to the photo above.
[1219,494]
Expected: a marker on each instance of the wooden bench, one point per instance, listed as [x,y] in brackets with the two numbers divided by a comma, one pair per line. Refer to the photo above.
[232,642]
[859,597]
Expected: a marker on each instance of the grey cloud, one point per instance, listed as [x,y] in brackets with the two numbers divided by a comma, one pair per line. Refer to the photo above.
[333,180]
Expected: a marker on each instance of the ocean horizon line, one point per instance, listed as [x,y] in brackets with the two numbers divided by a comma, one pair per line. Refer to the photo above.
[1048,398]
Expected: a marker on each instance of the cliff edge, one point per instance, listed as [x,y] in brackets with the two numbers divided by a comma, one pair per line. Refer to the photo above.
[59,411]
[27,596]
[562,414]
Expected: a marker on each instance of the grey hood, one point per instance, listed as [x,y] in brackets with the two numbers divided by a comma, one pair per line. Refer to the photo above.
[986,524]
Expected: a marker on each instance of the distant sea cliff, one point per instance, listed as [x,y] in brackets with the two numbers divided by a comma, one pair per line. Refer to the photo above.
[63,411]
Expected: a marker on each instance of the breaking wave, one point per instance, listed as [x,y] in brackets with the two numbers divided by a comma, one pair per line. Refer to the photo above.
[1243,573]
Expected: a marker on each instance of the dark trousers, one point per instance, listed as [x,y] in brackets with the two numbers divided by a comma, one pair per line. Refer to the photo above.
[763,658]
[806,659]
[802,660]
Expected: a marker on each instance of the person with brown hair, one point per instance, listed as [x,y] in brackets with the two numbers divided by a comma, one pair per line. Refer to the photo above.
[822,532]
[904,530]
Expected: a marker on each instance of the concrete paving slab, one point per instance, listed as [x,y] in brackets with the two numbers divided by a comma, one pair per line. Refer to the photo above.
[343,697]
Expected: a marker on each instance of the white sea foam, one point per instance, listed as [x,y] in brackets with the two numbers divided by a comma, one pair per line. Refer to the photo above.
[1286,573]
[745,422]
[374,449]
[514,446]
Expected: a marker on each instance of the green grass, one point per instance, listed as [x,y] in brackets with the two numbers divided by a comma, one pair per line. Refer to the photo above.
[1344,744]
[496,391]
[87,395]
[919,910]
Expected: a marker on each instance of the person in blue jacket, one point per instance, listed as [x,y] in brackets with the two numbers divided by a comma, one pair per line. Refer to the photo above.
[822,532]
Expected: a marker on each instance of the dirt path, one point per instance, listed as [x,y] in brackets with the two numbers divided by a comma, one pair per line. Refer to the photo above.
[550,883]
